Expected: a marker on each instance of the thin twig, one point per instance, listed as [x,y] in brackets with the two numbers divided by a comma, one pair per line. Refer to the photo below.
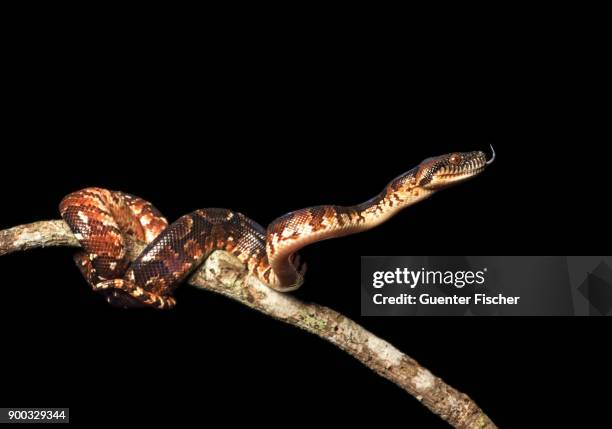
[224,274]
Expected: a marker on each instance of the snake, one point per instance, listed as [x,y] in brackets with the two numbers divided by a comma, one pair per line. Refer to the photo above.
[101,220]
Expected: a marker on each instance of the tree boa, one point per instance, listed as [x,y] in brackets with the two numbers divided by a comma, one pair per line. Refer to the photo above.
[100,218]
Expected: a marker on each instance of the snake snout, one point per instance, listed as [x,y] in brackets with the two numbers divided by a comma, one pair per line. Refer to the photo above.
[446,170]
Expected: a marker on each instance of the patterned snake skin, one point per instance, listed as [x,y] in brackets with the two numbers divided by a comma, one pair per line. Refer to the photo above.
[100,218]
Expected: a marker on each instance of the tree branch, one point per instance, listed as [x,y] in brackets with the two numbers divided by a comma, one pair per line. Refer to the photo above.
[224,274]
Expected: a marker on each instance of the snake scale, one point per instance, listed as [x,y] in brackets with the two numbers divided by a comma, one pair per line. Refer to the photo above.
[100,219]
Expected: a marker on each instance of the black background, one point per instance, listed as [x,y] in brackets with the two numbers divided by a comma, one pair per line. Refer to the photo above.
[264,125]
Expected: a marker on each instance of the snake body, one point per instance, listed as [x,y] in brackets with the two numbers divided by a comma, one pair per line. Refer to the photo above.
[100,219]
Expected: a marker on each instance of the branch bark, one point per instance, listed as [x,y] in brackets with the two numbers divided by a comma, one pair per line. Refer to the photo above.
[224,274]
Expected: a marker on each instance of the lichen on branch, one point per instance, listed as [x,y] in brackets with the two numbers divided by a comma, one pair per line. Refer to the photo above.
[222,273]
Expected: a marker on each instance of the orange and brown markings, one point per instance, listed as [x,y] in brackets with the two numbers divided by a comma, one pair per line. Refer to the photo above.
[394,192]
[160,273]
[89,215]
[122,293]
[100,219]
[323,217]
[183,246]
[299,223]
[289,233]
[167,259]
[149,218]
[193,249]
[393,197]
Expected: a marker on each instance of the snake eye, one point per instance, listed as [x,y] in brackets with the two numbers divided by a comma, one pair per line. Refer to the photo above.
[455,159]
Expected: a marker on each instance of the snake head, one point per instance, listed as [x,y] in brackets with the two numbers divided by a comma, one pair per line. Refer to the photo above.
[442,171]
